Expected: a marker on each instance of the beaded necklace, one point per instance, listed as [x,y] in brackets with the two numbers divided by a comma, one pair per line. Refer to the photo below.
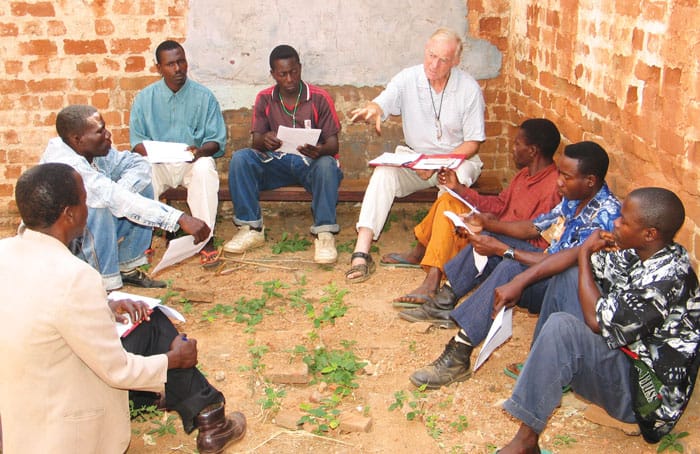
[437,112]
[292,114]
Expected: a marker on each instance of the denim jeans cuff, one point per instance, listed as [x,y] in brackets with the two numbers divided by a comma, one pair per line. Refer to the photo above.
[525,416]
[254,224]
[112,282]
[133,263]
[333,228]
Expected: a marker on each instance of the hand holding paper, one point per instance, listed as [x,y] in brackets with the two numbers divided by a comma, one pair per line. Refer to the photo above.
[501,330]
[124,329]
[479,260]
[292,138]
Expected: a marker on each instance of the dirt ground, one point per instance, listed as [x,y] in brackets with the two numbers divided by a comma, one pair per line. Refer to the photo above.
[464,417]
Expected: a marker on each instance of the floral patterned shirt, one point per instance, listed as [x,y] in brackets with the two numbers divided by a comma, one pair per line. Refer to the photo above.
[653,308]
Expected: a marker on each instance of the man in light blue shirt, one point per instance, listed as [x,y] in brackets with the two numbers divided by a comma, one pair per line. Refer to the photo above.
[121,209]
[177,109]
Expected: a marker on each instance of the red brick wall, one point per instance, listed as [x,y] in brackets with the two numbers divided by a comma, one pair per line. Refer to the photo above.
[624,75]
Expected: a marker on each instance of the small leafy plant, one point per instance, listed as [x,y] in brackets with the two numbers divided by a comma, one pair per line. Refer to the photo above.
[289,244]
[670,442]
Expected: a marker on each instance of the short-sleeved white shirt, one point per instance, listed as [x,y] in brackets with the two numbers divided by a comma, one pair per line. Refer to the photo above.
[462,115]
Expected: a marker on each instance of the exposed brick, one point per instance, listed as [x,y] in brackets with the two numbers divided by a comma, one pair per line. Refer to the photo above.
[289,419]
[94,84]
[85,46]
[13,171]
[355,423]
[38,47]
[29,102]
[13,67]
[8,29]
[123,46]
[38,9]
[112,64]
[12,86]
[136,83]
[52,102]
[104,27]
[10,137]
[279,370]
[33,28]
[177,10]
[155,25]
[101,101]
[645,72]
[6,190]
[637,39]
[86,67]
[56,28]
[134,64]
[45,85]
[39,66]
[77,99]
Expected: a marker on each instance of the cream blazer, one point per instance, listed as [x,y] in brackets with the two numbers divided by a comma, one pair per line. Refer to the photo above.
[64,374]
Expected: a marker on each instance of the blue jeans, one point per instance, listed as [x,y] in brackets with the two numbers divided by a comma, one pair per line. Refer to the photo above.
[248,174]
[461,271]
[561,296]
[474,314]
[567,352]
[111,245]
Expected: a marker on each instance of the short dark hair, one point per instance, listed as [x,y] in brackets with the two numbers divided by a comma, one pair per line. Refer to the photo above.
[73,120]
[592,158]
[167,45]
[543,134]
[661,209]
[283,52]
[43,191]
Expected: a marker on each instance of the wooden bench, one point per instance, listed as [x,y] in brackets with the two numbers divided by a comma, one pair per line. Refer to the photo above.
[349,191]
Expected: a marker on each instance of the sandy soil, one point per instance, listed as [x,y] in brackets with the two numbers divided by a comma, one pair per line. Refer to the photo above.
[464,417]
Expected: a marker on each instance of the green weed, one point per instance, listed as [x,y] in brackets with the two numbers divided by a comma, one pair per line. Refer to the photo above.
[419,215]
[347,246]
[670,442]
[335,366]
[164,427]
[563,440]
[288,244]
[461,424]
[389,220]
[273,399]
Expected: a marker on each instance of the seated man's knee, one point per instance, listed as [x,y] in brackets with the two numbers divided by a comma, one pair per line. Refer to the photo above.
[205,164]
[241,158]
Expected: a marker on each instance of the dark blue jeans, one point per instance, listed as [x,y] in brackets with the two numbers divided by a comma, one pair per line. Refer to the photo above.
[567,352]
[249,174]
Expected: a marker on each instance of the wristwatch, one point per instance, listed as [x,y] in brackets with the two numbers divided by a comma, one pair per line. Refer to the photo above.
[509,254]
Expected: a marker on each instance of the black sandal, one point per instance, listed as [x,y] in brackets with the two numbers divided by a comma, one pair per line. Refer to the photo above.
[365,269]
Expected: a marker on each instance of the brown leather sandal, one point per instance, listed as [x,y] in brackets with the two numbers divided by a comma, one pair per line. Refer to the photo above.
[365,269]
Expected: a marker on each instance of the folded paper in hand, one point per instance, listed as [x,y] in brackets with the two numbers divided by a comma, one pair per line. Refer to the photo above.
[123,329]
[418,161]
[160,152]
[501,330]
[292,138]
[479,260]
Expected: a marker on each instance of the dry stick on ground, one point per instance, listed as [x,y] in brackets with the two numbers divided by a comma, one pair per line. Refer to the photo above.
[299,433]
[258,263]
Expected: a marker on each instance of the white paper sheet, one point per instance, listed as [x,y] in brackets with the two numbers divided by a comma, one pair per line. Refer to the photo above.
[292,138]
[178,250]
[479,260]
[461,199]
[436,163]
[159,152]
[501,330]
[393,159]
[123,328]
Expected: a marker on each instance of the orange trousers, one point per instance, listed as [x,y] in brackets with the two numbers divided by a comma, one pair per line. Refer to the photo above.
[437,233]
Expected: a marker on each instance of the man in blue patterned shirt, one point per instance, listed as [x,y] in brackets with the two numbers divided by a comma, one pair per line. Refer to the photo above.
[587,204]
[629,340]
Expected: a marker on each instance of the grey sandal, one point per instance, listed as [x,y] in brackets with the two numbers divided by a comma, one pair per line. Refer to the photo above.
[365,269]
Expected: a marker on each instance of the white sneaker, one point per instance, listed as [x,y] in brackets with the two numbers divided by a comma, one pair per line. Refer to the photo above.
[245,240]
[324,247]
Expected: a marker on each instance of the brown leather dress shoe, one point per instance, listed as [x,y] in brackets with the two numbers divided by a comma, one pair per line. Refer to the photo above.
[216,431]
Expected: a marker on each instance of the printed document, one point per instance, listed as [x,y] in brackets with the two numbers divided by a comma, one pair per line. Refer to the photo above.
[479,260]
[123,329]
[178,250]
[159,152]
[292,138]
[501,330]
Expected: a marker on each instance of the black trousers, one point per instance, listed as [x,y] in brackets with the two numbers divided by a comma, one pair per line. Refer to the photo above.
[187,391]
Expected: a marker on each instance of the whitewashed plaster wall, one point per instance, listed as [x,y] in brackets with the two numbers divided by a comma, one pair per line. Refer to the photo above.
[340,42]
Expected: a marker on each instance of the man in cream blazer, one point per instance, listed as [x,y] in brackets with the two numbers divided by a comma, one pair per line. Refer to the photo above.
[65,373]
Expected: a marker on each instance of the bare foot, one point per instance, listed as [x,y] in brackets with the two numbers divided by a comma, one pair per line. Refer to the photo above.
[426,290]
[413,257]
[524,442]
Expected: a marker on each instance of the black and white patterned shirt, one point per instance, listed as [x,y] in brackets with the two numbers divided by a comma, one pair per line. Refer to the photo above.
[653,308]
